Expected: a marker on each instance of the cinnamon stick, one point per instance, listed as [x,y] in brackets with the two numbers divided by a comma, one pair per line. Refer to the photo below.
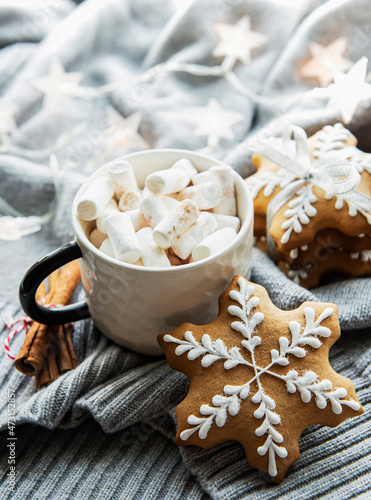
[74,359]
[48,374]
[41,292]
[63,360]
[28,369]
[41,345]
[53,279]
[43,377]
[66,284]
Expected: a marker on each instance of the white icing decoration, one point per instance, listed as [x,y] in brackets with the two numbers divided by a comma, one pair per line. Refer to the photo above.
[329,139]
[308,385]
[228,404]
[362,161]
[364,255]
[211,351]
[269,181]
[309,336]
[266,407]
[294,253]
[296,274]
[332,138]
[299,212]
[352,208]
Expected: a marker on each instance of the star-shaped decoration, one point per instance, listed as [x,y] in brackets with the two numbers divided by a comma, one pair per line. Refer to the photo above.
[348,90]
[214,122]
[120,136]
[58,84]
[124,131]
[7,122]
[238,40]
[325,61]
[259,376]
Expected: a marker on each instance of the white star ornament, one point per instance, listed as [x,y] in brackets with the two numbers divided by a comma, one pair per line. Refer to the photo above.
[325,61]
[348,90]
[237,41]
[58,84]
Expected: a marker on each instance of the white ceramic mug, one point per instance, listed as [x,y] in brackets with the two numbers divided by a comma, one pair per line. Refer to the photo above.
[133,304]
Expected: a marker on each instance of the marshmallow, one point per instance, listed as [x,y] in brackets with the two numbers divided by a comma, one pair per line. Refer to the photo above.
[184,245]
[95,198]
[108,210]
[137,219]
[167,181]
[153,210]
[175,223]
[153,256]
[165,214]
[202,177]
[129,200]
[224,176]
[185,165]
[227,221]
[97,238]
[205,196]
[213,243]
[122,236]
[169,202]
[106,247]
[145,192]
[122,174]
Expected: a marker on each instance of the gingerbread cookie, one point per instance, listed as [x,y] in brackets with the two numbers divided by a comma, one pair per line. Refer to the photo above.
[311,208]
[259,376]
[323,245]
[315,194]
[300,219]
[264,186]
[310,269]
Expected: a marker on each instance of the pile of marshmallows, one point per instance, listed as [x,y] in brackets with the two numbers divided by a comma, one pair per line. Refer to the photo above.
[180,216]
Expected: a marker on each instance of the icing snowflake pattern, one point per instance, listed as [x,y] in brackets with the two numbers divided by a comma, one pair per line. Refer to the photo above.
[297,274]
[333,138]
[229,403]
[299,212]
[353,209]
[269,181]
[330,138]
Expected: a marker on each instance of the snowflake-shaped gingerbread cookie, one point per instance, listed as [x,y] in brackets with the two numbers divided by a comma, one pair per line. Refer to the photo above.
[311,209]
[259,376]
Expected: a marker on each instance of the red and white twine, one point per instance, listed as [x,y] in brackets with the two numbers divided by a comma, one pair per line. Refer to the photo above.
[24,324]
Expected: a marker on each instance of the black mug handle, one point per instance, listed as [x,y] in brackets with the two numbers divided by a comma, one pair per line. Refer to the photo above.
[36,274]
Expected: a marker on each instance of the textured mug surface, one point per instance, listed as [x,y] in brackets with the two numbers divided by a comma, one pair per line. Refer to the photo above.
[133,304]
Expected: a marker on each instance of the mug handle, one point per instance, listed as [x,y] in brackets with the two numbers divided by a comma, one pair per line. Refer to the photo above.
[33,278]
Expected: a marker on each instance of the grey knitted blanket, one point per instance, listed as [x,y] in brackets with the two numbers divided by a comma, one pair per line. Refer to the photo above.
[106,429]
